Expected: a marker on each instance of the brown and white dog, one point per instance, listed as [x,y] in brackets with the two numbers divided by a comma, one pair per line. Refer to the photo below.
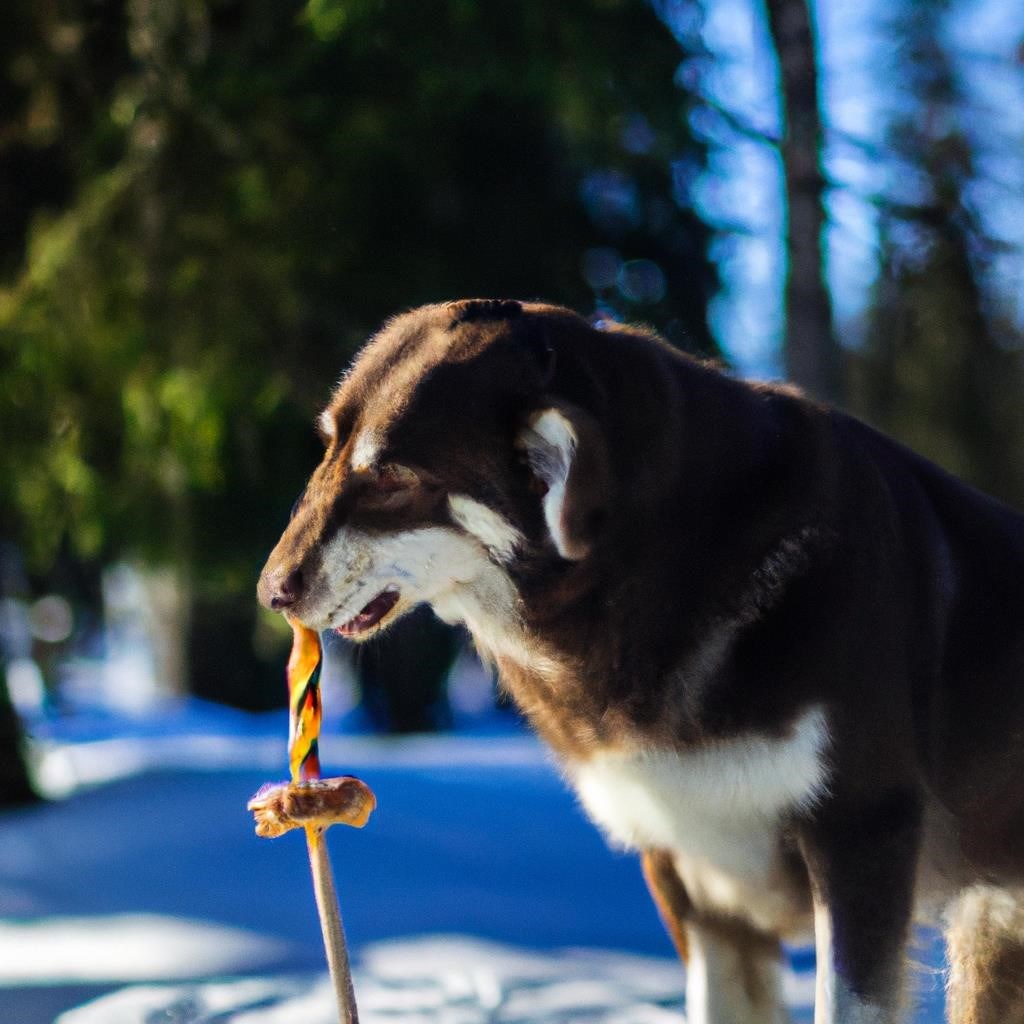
[777,654]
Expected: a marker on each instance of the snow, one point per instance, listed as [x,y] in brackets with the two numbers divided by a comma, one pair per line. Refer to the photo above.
[455,980]
[478,891]
[119,947]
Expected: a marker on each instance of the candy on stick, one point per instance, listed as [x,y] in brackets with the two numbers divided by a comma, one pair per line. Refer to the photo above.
[304,663]
[314,804]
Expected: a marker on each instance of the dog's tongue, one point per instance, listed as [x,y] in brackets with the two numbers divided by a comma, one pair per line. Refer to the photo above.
[370,615]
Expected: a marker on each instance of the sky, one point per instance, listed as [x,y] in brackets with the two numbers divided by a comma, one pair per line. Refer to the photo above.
[743,184]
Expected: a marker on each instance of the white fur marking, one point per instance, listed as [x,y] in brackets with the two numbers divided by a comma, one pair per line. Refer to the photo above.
[365,450]
[495,532]
[762,899]
[987,906]
[550,443]
[720,803]
[437,565]
[440,566]
[423,564]
[327,424]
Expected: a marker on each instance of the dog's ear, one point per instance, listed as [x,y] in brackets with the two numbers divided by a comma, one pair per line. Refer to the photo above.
[565,450]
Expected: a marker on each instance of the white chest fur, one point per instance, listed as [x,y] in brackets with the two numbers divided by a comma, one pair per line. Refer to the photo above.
[718,808]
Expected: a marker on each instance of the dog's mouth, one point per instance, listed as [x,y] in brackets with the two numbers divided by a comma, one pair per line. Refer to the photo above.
[371,614]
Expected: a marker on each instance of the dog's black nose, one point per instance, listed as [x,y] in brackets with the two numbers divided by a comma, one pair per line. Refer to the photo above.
[284,590]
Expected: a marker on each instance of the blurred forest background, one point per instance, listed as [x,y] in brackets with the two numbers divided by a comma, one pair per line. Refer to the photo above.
[207,205]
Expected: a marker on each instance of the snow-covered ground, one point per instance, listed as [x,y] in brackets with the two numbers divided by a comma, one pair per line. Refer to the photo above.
[478,892]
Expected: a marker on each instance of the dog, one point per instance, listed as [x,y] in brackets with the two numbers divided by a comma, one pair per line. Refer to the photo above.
[776,653]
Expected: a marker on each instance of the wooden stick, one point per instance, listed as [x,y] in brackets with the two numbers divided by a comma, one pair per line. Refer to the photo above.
[331,926]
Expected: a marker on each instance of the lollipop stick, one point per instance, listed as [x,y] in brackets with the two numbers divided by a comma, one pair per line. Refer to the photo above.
[331,926]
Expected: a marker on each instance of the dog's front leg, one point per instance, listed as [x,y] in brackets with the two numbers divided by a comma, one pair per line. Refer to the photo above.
[861,860]
[733,971]
[733,975]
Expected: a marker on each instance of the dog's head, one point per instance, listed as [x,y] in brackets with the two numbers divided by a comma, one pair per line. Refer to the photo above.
[454,461]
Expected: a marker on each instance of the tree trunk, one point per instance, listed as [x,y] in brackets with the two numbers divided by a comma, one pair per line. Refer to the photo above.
[811,351]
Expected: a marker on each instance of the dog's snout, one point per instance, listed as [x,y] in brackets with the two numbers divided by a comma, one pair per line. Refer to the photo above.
[280,590]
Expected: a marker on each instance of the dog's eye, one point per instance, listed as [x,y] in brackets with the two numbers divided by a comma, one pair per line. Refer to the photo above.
[393,477]
[390,485]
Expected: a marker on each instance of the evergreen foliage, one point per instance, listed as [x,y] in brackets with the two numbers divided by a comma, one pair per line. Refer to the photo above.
[212,203]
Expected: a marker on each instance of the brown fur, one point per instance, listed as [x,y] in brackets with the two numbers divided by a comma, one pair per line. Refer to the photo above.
[986,954]
[670,897]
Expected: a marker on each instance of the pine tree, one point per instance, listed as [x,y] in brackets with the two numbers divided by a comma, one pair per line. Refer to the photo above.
[940,369]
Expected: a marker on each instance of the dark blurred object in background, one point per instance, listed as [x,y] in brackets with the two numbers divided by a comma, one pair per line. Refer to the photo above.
[15,785]
[15,645]
[222,663]
[403,673]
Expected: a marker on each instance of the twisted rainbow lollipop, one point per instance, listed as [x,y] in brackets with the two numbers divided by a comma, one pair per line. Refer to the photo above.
[304,709]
